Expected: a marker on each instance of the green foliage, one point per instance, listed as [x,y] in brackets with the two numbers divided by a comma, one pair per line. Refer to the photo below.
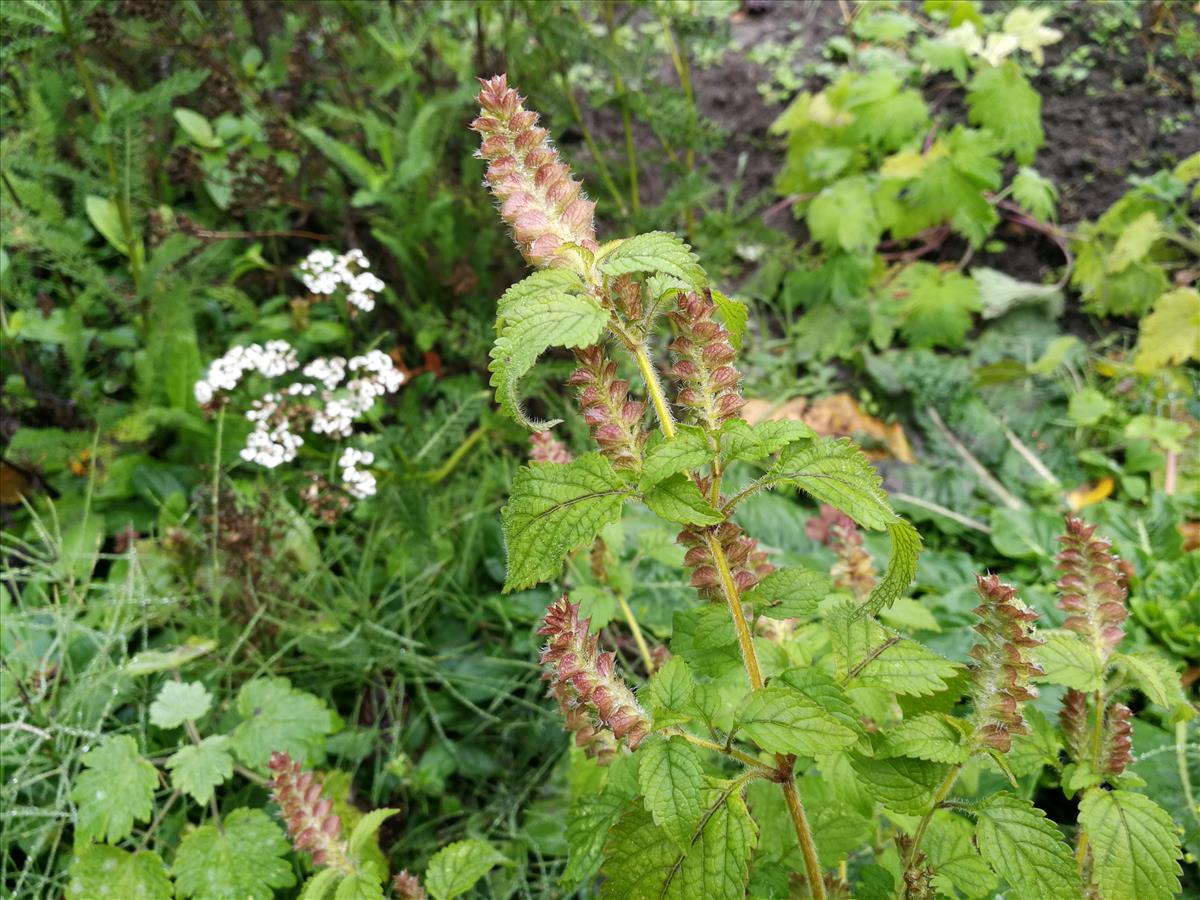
[455,868]
[115,789]
[243,858]
[277,717]
[1024,848]
[99,870]
[1134,845]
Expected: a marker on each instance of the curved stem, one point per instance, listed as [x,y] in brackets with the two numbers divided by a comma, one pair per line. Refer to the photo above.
[812,863]
[643,648]
[938,797]
[720,748]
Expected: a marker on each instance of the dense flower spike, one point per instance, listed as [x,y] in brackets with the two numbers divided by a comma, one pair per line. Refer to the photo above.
[309,817]
[542,204]
[854,570]
[407,886]
[1002,667]
[709,386]
[1073,717]
[546,448]
[1118,739]
[614,419]
[585,682]
[747,563]
[1092,588]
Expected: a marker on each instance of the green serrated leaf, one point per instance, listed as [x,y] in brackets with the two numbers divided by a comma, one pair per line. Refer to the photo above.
[592,815]
[276,716]
[928,737]
[1135,847]
[555,509]
[677,499]
[1068,661]
[455,868]
[901,784]
[791,593]
[321,885]
[878,657]
[672,783]
[837,472]
[531,327]
[901,568]
[667,696]
[843,216]
[115,788]
[197,769]
[366,829]
[740,440]
[935,306]
[244,859]
[734,314]
[1134,243]
[360,886]
[781,719]
[179,702]
[688,449]
[1170,335]
[1003,101]
[1024,848]
[544,284]
[98,870]
[1157,677]
[1036,193]
[655,251]
[954,858]
[822,688]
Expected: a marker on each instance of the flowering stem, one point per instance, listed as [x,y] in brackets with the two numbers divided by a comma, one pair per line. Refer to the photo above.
[812,864]
[745,639]
[643,648]
[721,748]
[655,391]
[938,797]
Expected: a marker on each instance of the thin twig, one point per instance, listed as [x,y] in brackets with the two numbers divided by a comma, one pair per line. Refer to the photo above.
[940,510]
[987,478]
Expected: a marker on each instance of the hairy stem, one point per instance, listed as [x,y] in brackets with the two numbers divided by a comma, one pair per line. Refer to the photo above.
[642,646]
[745,638]
[732,753]
[812,864]
[938,797]
[655,391]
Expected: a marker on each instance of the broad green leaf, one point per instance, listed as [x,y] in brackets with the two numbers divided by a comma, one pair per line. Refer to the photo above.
[276,716]
[843,216]
[321,886]
[655,251]
[740,440]
[1170,335]
[592,814]
[98,870]
[901,784]
[935,306]
[366,829]
[1088,406]
[1134,243]
[688,449]
[359,886]
[179,702]
[1036,193]
[735,315]
[928,737]
[867,654]
[677,499]
[781,719]
[197,769]
[820,687]
[667,696]
[954,857]
[835,471]
[1002,100]
[148,662]
[1157,677]
[198,128]
[115,788]
[555,509]
[243,859]
[672,782]
[999,294]
[542,285]
[791,593]
[1068,661]
[1024,23]
[1026,849]
[455,868]
[531,327]
[105,215]
[901,568]
[1134,843]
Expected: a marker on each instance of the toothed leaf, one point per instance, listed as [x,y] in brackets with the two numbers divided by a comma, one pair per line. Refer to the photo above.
[655,251]
[1134,844]
[1026,849]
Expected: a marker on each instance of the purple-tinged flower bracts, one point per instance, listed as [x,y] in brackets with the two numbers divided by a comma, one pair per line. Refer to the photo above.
[747,564]
[407,886]
[1118,739]
[1073,718]
[586,684]
[1092,588]
[546,448]
[542,204]
[1002,667]
[614,419]
[854,570]
[709,385]
[309,817]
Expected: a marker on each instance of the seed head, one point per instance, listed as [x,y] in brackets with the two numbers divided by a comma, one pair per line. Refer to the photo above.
[854,570]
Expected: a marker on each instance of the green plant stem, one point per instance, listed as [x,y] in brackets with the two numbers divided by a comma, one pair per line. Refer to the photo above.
[812,863]
[745,638]
[643,648]
[655,391]
[720,748]
[452,461]
[940,795]
[1185,777]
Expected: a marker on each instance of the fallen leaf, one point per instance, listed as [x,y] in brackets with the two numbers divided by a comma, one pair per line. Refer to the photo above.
[838,415]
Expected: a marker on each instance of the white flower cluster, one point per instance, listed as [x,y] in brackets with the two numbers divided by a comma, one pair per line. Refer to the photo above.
[273,360]
[272,442]
[380,376]
[324,273]
[358,482]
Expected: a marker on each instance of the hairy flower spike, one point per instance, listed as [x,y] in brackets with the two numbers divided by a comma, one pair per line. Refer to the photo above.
[309,817]
[1073,717]
[614,419]
[546,448]
[1092,588]
[1002,667]
[586,684]
[1118,739]
[542,204]
[854,570]
[709,386]
[407,886]
[747,563]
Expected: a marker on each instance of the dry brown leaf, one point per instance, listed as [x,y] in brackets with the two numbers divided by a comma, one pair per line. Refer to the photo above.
[838,415]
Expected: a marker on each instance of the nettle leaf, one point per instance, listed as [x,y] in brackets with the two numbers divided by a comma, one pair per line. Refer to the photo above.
[98,870]
[360,886]
[672,782]
[279,717]
[781,719]
[949,844]
[593,814]
[735,316]
[530,327]
[791,593]
[1167,337]
[544,284]
[197,769]
[901,784]
[1036,194]
[870,655]
[928,737]
[935,306]
[1158,678]
[642,861]
[244,858]
[688,449]
[1025,848]
[555,509]
[677,499]
[455,868]
[901,569]
[740,440]
[1001,100]
[655,251]
[667,696]
[115,789]
[1134,843]
[179,702]
[363,836]
[1068,661]
[822,688]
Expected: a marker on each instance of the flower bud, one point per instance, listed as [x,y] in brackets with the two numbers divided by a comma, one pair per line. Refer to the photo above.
[708,386]
[747,564]
[551,211]
[308,816]
[615,420]
[1118,739]
[1092,588]
[407,886]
